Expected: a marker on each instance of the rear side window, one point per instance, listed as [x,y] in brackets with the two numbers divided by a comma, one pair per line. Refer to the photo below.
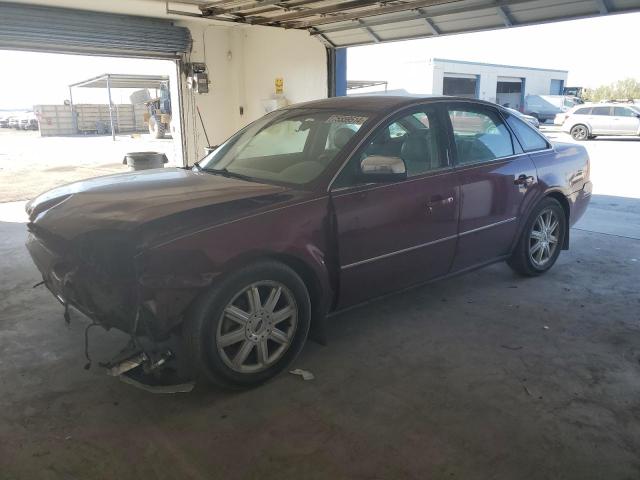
[624,112]
[583,111]
[601,111]
[480,135]
[528,137]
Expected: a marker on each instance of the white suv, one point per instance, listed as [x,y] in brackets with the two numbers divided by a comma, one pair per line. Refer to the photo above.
[587,121]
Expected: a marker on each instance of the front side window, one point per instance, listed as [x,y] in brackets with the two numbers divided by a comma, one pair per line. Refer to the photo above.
[583,111]
[528,137]
[601,111]
[287,146]
[480,135]
[414,138]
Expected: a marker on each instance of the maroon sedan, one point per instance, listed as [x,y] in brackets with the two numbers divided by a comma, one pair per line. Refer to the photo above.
[311,209]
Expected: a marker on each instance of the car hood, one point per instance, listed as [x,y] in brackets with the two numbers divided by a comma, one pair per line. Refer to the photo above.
[150,205]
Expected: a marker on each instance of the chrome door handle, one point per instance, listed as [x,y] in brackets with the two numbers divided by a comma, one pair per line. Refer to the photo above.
[524,180]
[438,202]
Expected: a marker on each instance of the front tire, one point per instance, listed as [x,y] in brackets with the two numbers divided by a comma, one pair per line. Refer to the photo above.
[579,132]
[541,240]
[249,327]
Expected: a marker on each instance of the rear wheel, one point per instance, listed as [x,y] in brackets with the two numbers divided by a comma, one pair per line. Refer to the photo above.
[541,240]
[156,127]
[579,132]
[250,326]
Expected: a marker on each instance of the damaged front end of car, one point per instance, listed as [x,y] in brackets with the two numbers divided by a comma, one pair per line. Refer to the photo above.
[110,278]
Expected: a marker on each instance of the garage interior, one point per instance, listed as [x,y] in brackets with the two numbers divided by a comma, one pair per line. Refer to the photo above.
[481,376]
[510,92]
[460,86]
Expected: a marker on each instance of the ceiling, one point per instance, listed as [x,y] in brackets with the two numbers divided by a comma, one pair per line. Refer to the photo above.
[344,23]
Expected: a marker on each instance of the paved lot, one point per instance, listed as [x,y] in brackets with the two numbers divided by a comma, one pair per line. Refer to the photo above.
[484,376]
[30,164]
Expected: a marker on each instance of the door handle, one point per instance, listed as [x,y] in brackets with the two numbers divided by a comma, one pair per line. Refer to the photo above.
[438,201]
[524,180]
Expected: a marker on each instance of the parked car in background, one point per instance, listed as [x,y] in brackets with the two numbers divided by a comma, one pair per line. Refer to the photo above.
[28,121]
[14,122]
[588,121]
[4,121]
[312,208]
[545,107]
[528,118]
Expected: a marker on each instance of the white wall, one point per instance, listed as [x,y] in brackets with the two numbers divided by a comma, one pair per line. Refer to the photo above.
[243,63]
[537,82]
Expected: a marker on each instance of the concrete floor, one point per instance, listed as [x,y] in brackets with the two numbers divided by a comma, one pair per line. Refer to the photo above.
[31,164]
[484,376]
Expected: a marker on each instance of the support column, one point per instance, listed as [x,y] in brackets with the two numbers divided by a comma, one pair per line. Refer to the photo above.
[113,131]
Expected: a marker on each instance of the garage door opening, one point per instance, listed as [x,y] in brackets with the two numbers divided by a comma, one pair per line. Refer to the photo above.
[64,124]
[510,93]
[460,86]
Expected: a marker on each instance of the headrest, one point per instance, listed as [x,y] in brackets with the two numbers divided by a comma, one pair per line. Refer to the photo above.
[342,137]
[415,153]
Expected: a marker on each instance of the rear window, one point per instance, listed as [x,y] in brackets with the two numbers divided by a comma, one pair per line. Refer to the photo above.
[528,137]
[601,111]
[583,111]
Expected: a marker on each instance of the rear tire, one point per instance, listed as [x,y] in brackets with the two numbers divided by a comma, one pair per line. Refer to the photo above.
[579,132]
[156,127]
[541,239]
[249,327]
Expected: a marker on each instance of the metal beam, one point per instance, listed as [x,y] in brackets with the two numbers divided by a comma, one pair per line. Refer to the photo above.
[603,7]
[422,8]
[373,35]
[224,8]
[311,12]
[504,14]
[113,130]
[432,26]
[395,8]
[323,38]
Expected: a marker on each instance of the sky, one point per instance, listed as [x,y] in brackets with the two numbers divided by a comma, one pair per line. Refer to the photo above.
[29,78]
[595,51]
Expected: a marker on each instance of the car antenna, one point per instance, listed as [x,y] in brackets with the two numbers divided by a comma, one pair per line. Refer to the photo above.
[204,129]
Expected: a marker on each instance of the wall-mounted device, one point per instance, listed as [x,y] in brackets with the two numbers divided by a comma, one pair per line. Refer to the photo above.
[198,79]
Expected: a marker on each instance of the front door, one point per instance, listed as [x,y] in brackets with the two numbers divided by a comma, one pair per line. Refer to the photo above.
[600,120]
[395,235]
[495,176]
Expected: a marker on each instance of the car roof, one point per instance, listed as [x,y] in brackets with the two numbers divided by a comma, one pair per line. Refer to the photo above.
[381,103]
[591,105]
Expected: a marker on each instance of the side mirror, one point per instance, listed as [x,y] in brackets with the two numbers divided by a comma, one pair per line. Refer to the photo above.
[380,169]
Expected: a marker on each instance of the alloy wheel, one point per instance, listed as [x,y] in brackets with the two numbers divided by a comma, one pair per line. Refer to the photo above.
[543,239]
[580,132]
[257,327]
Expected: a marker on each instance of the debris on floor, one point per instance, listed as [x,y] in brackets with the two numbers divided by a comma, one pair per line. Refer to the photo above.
[306,375]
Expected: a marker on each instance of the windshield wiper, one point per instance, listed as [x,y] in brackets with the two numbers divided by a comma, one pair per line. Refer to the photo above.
[226,173]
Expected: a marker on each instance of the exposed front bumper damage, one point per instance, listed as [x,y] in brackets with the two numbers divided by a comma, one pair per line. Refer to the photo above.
[152,360]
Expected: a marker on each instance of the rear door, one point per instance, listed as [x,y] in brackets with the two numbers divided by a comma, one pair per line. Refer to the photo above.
[394,235]
[625,121]
[496,179]
[600,121]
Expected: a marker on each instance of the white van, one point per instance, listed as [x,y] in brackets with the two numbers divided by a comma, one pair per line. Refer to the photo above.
[545,107]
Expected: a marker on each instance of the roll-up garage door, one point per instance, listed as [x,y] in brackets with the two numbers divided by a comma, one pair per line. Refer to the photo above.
[60,30]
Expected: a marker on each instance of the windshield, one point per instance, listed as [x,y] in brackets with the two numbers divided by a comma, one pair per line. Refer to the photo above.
[288,146]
